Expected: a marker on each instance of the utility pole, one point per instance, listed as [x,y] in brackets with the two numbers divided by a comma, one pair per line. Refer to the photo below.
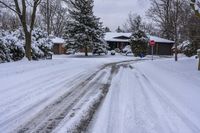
[198,53]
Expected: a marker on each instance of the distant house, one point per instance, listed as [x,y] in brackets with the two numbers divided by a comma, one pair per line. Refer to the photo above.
[58,46]
[120,40]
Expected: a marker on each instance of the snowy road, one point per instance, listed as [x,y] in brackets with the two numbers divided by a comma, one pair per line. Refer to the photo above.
[108,95]
[139,104]
[37,96]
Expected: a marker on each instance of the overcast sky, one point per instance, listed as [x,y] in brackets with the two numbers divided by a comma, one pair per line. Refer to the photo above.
[114,13]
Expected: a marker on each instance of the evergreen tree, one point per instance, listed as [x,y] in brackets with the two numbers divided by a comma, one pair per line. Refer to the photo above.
[139,43]
[119,30]
[107,29]
[84,29]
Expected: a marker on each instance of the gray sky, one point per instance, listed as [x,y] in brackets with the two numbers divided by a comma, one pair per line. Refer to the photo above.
[114,13]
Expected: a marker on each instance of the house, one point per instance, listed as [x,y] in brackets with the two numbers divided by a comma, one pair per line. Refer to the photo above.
[120,40]
[58,46]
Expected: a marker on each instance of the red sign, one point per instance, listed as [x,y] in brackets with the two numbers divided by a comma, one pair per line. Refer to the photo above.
[152,43]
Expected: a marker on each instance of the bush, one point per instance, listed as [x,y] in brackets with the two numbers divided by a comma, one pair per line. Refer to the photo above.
[12,45]
[11,48]
[41,45]
[188,48]
[3,52]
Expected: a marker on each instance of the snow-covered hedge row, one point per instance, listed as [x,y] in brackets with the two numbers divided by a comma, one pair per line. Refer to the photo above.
[12,45]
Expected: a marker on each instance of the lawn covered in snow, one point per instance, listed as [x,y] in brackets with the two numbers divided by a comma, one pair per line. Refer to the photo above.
[160,96]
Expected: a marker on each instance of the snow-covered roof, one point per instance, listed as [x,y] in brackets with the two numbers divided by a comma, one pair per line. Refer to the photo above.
[58,40]
[111,36]
[160,40]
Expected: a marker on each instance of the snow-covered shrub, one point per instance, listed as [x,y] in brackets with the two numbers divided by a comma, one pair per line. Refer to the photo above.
[3,52]
[139,43]
[12,45]
[190,51]
[41,44]
[127,50]
[117,50]
[188,48]
[15,47]
[11,48]
[183,46]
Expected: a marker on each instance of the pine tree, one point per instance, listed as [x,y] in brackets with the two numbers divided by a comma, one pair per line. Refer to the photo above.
[84,29]
[107,29]
[119,30]
[139,43]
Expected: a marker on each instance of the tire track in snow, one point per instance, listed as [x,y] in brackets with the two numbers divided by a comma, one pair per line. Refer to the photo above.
[145,117]
[10,118]
[171,114]
[135,104]
[48,119]
[109,119]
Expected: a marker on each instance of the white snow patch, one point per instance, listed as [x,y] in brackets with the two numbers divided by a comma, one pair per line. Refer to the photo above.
[159,96]
[58,40]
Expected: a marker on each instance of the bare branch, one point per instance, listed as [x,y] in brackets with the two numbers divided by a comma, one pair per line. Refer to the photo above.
[9,7]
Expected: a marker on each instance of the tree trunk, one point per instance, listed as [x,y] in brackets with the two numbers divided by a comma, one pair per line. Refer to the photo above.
[176,29]
[28,45]
[86,51]
[176,43]
[176,52]
[48,18]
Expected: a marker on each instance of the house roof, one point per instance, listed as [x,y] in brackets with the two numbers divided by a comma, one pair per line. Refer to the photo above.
[160,40]
[58,40]
[113,37]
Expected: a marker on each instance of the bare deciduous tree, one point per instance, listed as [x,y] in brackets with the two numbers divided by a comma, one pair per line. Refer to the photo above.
[54,16]
[167,14]
[8,20]
[134,23]
[20,8]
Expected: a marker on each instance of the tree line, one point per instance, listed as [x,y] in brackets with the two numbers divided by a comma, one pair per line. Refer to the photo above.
[170,19]
[72,19]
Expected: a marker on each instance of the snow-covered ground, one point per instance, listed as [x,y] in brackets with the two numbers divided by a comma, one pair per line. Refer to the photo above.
[152,97]
[26,88]
[60,95]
